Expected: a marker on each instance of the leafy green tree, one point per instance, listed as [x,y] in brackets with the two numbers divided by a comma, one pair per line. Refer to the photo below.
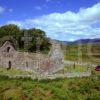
[13,33]
[10,30]
[39,40]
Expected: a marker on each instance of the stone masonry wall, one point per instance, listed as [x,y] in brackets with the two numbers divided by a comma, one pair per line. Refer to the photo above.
[38,63]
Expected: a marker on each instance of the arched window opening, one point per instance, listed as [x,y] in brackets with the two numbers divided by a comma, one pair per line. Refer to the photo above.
[8,49]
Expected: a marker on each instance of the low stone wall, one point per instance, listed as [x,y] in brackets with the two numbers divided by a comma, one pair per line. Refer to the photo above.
[53,76]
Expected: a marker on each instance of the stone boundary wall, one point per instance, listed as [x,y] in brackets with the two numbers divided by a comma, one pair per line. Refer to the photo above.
[53,76]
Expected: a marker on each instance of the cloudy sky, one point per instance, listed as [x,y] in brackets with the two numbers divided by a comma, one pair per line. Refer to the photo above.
[65,20]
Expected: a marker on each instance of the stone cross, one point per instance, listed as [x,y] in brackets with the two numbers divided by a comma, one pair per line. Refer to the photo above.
[26,40]
[38,43]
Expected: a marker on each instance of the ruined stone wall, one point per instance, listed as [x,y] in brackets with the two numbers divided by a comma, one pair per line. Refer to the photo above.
[35,62]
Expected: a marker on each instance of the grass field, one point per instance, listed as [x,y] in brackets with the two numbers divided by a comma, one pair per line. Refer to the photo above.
[76,68]
[73,69]
[14,72]
[87,88]
[59,89]
[82,52]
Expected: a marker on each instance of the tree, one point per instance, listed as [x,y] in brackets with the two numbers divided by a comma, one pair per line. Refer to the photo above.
[39,40]
[13,33]
[10,30]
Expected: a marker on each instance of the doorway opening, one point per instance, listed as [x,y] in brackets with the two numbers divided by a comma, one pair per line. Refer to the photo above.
[9,65]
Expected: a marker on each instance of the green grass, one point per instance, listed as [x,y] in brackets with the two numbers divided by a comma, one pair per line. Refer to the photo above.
[86,88]
[14,72]
[76,52]
[75,68]
[58,89]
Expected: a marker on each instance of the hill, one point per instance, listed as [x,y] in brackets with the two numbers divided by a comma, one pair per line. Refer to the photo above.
[86,41]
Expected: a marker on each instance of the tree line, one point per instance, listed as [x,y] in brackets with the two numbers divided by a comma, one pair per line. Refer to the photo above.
[38,41]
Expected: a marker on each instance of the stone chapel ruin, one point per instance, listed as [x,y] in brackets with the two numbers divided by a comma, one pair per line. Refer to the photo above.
[36,62]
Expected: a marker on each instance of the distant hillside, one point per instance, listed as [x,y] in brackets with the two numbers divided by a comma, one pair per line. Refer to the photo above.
[81,41]
[85,41]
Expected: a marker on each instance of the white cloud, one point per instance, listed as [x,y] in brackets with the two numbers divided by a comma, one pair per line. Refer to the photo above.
[37,7]
[68,25]
[11,10]
[21,24]
[48,0]
[2,9]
